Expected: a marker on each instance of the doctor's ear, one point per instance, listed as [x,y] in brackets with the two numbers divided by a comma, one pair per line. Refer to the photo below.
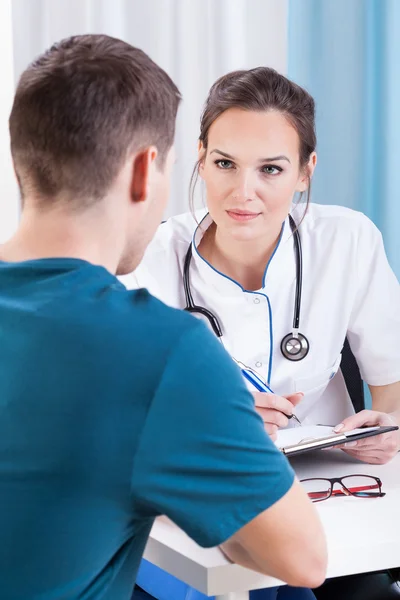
[307,174]
[201,154]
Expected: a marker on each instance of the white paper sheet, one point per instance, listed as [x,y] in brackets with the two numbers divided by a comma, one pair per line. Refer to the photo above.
[295,435]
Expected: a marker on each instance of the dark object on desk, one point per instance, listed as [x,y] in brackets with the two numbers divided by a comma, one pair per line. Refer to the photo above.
[139,594]
[352,377]
[381,585]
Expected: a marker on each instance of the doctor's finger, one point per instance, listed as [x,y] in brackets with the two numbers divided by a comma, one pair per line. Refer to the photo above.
[295,398]
[386,442]
[263,400]
[372,458]
[275,417]
[365,418]
[272,431]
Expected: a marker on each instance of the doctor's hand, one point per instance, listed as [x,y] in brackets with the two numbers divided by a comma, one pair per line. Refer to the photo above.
[376,450]
[273,410]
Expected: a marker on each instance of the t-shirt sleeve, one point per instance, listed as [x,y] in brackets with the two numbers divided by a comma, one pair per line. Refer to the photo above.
[204,459]
[374,328]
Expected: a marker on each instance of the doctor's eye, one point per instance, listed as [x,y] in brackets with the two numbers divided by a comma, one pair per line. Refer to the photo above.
[223,163]
[271,169]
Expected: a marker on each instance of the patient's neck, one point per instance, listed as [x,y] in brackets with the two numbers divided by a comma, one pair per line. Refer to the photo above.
[58,233]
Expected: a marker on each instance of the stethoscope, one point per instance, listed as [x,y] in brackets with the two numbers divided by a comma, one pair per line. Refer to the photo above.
[294,346]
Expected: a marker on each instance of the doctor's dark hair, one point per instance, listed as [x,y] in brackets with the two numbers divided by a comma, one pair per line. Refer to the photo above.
[79,109]
[260,89]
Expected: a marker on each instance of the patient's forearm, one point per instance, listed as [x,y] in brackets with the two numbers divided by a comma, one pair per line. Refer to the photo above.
[237,554]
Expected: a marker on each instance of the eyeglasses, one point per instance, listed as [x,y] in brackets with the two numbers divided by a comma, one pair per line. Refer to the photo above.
[360,486]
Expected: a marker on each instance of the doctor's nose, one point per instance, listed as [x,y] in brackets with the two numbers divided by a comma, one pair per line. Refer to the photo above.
[244,189]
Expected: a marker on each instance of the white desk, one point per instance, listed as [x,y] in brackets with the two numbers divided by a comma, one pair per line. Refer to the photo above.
[363,534]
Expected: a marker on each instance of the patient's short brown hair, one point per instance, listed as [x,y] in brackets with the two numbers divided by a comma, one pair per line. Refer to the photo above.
[79,108]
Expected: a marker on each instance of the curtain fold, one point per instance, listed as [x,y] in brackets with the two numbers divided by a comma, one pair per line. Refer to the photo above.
[347,54]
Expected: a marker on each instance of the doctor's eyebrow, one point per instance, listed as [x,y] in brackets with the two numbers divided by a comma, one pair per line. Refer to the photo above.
[261,160]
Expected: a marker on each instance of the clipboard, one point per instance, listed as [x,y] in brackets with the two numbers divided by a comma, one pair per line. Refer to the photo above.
[304,439]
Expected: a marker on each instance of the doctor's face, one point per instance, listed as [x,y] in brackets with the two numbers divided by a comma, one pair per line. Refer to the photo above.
[251,171]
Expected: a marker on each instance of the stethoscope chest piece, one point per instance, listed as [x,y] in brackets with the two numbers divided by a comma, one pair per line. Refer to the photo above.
[295,346]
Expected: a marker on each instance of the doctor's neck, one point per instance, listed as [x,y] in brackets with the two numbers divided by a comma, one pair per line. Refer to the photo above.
[244,261]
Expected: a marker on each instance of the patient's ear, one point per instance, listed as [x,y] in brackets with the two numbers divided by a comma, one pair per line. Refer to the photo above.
[142,167]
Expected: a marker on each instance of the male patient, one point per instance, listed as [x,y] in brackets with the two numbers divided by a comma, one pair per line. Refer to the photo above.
[114,408]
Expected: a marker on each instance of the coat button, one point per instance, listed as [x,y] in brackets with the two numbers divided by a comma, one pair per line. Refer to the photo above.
[258,364]
[256,300]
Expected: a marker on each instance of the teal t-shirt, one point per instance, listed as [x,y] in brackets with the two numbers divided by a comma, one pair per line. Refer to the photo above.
[114,408]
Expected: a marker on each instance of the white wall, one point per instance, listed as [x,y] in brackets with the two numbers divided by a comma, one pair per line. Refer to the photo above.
[9,201]
[195,41]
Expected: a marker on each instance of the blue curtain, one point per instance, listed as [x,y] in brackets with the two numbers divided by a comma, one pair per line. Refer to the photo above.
[347,54]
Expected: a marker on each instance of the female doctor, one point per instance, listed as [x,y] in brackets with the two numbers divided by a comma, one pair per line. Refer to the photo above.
[282,283]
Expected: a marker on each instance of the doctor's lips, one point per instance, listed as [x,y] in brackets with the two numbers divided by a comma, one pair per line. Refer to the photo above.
[242,215]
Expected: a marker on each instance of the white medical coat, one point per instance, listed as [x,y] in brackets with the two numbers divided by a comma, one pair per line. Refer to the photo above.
[348,290]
